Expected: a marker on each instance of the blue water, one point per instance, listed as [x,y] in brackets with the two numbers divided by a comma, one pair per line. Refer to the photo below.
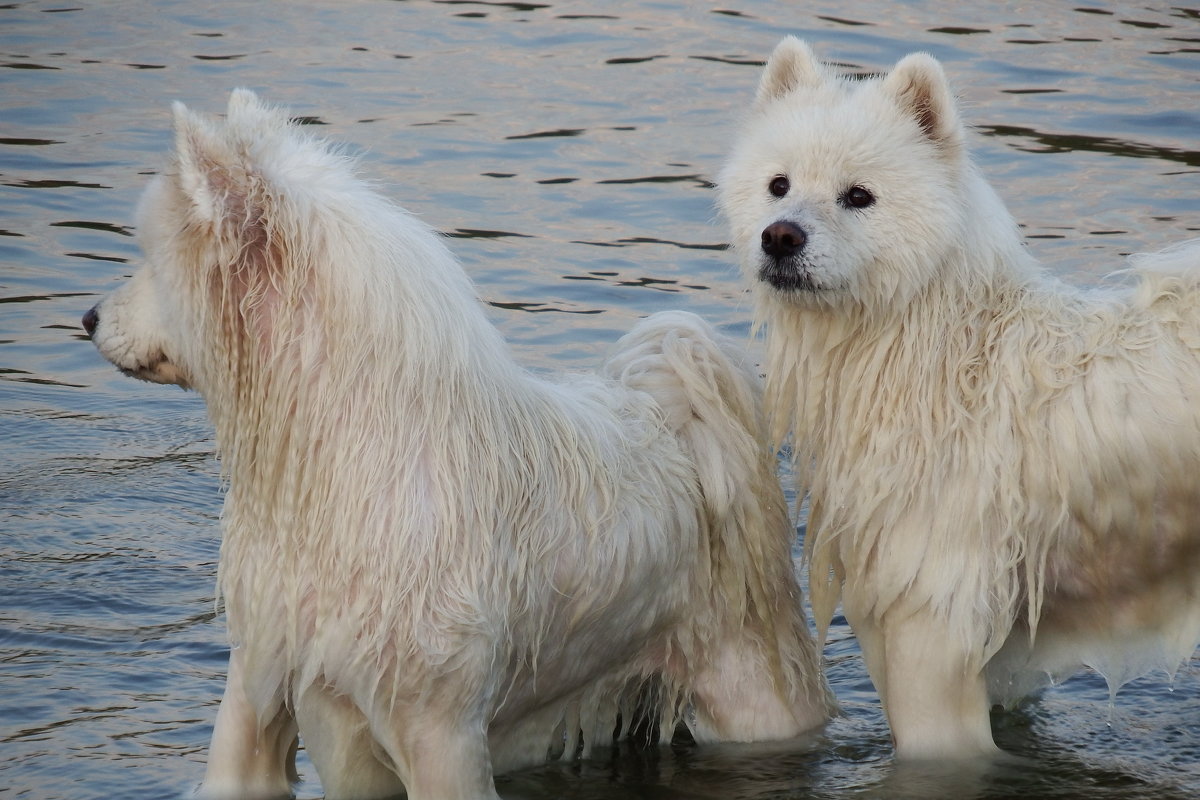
[567,147]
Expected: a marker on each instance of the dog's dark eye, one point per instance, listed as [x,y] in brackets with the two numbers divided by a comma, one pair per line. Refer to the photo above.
[856,197]
[779,185]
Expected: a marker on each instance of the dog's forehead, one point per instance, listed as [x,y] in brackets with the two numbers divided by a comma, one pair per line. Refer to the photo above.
[824,144]
[845,109]
[147,214]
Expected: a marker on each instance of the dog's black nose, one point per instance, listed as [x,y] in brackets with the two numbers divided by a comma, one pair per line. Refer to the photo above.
[783,239]
[90,320]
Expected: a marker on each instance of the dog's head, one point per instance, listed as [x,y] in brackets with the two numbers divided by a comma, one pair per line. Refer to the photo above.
[846,192]
[229,233]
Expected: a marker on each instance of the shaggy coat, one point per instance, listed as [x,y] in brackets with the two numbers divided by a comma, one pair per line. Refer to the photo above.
[1001,471]
[436,566]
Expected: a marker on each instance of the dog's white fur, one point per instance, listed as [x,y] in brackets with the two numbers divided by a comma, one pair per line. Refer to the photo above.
[1002,471]
[435,565]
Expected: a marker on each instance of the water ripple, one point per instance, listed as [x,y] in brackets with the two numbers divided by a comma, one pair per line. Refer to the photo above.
[578,197]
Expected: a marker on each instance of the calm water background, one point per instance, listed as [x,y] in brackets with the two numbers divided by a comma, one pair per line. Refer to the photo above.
[568,148]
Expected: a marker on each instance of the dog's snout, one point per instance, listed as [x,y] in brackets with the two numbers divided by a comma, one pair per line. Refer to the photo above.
[91,319]
[782,239]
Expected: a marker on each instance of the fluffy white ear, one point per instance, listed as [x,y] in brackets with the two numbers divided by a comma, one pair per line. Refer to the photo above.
[919,86]
[208,165]
[231,204]
[244,101]
[253,119]
[791,65]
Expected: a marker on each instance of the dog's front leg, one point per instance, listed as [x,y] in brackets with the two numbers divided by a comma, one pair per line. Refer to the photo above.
[249,758]
[440,754]
[932,687]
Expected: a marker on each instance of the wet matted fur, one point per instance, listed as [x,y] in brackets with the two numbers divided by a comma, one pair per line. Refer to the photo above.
[435,565]
[1001,469]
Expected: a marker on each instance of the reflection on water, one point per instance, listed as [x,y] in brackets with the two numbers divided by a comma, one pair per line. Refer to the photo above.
[567,150]
[1064,143]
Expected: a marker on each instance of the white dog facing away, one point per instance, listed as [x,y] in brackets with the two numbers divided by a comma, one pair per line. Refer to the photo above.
[435,565]
[1003,473]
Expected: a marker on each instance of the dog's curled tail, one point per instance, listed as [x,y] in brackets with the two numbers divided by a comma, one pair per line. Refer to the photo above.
[711,399]
[710,395]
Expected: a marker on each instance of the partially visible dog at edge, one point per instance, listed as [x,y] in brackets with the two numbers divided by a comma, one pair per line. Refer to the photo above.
[1001,470]
[436,566]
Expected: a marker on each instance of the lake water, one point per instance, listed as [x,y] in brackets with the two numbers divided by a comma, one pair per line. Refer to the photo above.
[567,147]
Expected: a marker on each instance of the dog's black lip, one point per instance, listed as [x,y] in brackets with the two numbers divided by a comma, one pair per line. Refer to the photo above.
[136,372]
[787,276]
[143,371]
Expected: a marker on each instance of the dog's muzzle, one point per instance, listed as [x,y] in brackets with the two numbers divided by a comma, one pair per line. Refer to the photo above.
[782,267]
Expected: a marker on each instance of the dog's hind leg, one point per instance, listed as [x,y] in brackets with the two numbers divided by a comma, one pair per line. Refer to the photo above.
[249,759]
[761,678]
[750,691]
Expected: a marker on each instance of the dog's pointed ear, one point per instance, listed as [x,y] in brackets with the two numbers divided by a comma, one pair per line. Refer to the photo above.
[244,102]
[792,65]
[252,118]
[210,169]
[229,201]
[920,87]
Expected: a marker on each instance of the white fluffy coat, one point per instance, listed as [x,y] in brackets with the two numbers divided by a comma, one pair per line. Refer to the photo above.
[1001,470]
[435,565]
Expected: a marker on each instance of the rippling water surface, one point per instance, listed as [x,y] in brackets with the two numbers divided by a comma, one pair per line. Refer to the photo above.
[568,149]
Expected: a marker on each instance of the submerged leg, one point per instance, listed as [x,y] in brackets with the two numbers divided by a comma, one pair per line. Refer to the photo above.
[934,691]
[440,754]
[338,739]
